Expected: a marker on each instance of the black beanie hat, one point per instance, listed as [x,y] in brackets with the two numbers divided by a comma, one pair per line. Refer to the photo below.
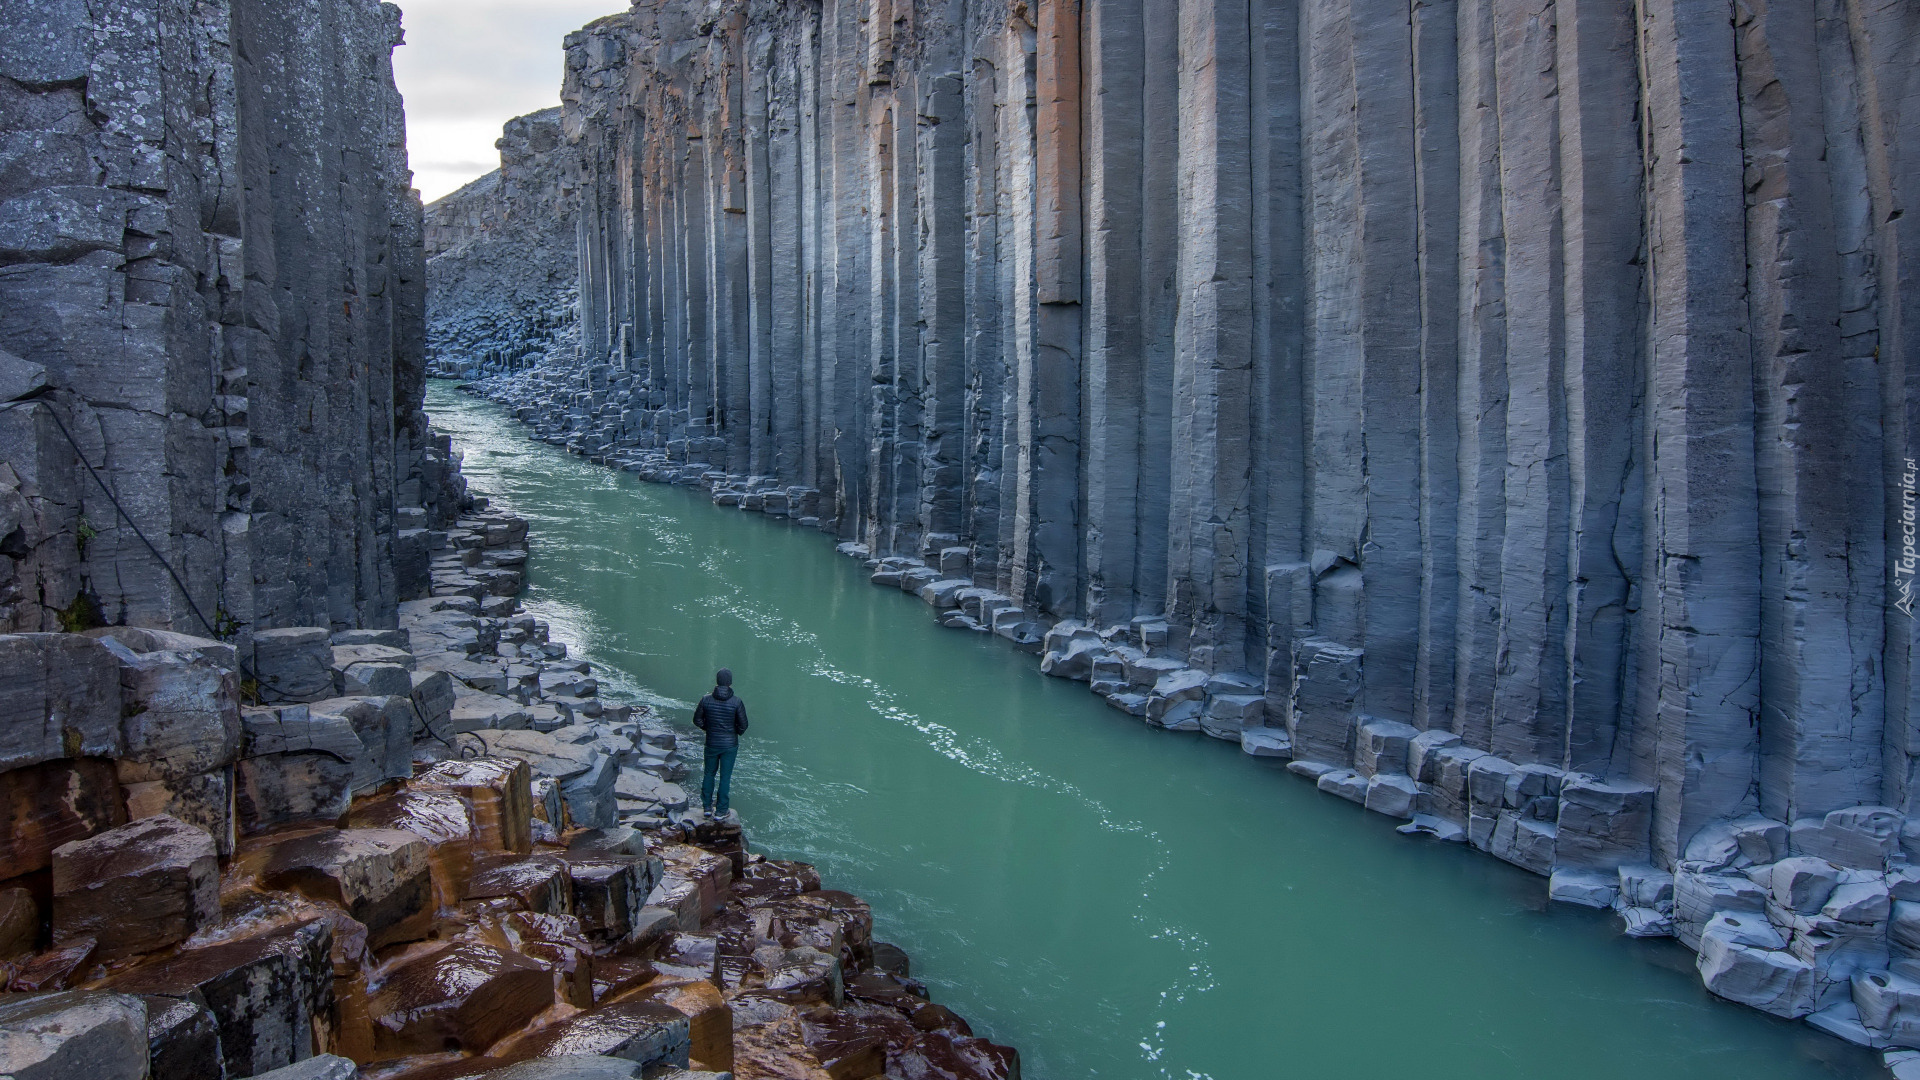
[723,677]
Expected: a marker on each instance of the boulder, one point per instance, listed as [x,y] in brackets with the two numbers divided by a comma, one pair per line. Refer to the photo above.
[182,702]
[1267,742]
[807,976]
[1178,699]
[267,992]
[1524,842]
[1396,796]
[1889,1007]
[46,805]
[1743,959]
[540,883]
[590,796]
[441,819]
[1857,837]
[135,889]
[1381,747]
[1699,897]
[375,680]
[645,1032]
[1423,754]
[183,1039]
[321,1067]
[59,698]
[500,793]
[76,1035]
[1803,884]
[293,664]
[1071,647]
[433,701]
[381,877]
[1602,826]
[465,995]
[571,1067]
[19,923]
[1587,888]
[608,895]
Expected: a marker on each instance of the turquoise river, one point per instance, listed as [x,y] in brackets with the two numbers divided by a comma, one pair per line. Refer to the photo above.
[1117,902]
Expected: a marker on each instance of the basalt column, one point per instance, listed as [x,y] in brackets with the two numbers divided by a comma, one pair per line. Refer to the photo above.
[1452,388]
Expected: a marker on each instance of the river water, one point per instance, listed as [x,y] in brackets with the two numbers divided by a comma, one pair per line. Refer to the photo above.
[1117,902]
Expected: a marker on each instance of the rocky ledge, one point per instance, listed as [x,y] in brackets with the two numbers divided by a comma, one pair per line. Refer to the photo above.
[414,854]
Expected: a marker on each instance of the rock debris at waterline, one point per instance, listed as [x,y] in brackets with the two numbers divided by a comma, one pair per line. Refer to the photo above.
[1378,393]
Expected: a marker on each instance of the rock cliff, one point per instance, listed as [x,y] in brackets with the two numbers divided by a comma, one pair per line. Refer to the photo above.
[211,296]
[1504,410]
[501,261]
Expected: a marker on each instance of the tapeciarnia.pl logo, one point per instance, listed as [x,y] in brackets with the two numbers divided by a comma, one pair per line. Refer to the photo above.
[1904,566]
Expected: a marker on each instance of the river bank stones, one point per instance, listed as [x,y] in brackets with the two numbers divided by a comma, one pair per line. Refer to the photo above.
[137,888]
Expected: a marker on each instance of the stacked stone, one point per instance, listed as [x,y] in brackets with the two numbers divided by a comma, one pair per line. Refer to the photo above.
[502,289]
[242,375]
[1531,382]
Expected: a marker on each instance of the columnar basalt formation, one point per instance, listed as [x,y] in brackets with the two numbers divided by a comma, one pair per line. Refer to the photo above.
[211,294]
[501,259]
[1505,411]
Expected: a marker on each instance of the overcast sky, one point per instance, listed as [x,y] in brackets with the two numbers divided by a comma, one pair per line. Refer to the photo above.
[471,65]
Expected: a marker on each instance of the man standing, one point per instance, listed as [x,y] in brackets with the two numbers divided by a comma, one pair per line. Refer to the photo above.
[723,717]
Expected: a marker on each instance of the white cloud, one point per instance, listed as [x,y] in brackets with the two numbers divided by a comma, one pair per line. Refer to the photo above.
[468,67]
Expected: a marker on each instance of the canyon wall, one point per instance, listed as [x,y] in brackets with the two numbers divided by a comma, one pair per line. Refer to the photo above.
[1540,373]
[211,304]
[501,258]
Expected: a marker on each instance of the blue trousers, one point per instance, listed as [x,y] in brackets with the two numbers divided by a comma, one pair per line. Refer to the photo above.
[721,762]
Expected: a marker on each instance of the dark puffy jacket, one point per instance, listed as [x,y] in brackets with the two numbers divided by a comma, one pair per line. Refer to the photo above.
[723,717]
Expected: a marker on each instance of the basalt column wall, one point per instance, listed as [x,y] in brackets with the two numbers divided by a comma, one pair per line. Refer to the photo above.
[1539,373]
[211,296]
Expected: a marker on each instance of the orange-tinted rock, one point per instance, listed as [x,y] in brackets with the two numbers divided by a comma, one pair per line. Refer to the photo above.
[646,1032]
[499,790]
[56,969]
[442,819]
[464,996]
[709,1020]
[137,888]
[44,806]
[381,877]
[272,993]
[204,801]
[539,883]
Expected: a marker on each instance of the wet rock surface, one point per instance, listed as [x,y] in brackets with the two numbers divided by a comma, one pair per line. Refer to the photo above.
[383,895]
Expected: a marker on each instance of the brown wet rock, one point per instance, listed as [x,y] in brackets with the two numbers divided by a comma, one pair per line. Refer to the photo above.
[46,805]
[539,883]
[465,996]
[137,888]
[277,790]
[441,818]
[773,880]
[271,993]
[499,790]
[557,942]
[77,1035]
[712,874]
[204,802]
[646,1032]
[183,1039]
[709,1019]
[891,958]
[806,976]
[19,923]
[680,896]
[768,1043]
[690,956]
[380,877]
[883,988]
[55,969]
[608,896]
[617,975]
